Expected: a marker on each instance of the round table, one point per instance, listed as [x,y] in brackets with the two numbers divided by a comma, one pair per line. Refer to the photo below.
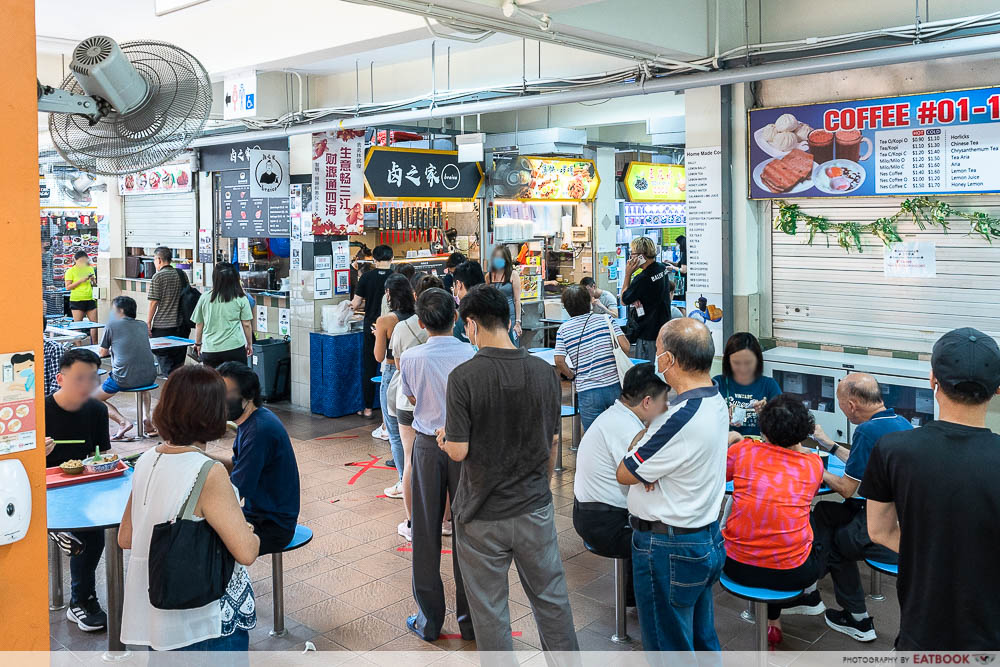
[92,506]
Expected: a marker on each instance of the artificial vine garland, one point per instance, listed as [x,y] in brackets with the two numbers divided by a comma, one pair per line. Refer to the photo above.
[922,210]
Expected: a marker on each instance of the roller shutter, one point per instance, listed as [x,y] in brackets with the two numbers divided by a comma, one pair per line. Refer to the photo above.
[824,295]
[165,219]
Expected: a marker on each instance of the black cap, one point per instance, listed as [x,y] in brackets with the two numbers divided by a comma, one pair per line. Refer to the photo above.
[967,355]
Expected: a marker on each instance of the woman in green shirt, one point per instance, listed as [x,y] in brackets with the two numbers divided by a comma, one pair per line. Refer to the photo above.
[80,280]
[222,320]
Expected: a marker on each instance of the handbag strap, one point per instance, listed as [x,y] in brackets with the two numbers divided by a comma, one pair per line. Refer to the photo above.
[614,338]
[187,511]
[579,344]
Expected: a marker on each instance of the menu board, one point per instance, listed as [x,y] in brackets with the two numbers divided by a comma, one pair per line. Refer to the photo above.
[704,238]
[935,143]
[649,182]
[244,216]
[652,215]
[527,178]
[161,180]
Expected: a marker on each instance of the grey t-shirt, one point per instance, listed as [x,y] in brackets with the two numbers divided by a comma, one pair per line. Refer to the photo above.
[506,405]
[132,362]
[608,300]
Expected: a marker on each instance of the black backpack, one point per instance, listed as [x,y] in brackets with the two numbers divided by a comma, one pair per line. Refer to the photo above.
[186,305]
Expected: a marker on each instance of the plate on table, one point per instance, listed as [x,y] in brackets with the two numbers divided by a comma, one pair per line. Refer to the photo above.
[839,177]
[801,186]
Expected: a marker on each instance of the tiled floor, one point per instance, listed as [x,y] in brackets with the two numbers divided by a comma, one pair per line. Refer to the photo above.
[350,587]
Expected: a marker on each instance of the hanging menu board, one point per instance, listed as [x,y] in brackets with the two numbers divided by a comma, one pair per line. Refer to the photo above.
[244,216]
[936,143]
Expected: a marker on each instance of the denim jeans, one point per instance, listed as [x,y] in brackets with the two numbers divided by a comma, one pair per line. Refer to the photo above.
[83,568]
[674,576]
[391,425]
[593,402]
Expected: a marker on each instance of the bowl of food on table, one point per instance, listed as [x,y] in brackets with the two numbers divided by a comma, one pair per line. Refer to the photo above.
[101,463]
[71,467]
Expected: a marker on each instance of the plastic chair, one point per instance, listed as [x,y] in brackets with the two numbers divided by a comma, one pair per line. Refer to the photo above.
[140,418]
[303,536]
[759,598]
[621,632]
[878,569]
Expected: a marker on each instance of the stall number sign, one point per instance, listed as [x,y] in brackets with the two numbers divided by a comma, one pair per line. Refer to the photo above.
[409,174]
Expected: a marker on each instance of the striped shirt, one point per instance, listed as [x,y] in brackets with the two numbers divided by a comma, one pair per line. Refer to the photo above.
[585,341]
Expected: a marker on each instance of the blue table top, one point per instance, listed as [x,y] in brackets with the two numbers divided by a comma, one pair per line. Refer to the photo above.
[88,505]
[836,467]
[82,325]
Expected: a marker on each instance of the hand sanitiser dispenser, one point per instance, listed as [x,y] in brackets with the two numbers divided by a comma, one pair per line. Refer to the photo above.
[15,501]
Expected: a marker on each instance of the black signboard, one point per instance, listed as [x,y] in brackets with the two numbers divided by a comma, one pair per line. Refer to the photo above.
[243,216]
[237,155]
[414,174]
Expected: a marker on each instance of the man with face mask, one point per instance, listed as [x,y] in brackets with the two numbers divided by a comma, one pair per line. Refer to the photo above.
[600,503]
[677,472]
[262,465]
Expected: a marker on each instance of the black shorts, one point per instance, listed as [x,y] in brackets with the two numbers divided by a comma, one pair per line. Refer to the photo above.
[85,306]
[404,417]
[214,359]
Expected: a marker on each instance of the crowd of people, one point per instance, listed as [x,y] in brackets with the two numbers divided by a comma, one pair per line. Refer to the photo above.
[473,419]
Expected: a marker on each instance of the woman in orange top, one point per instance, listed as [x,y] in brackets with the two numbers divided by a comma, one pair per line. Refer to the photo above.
[768,536]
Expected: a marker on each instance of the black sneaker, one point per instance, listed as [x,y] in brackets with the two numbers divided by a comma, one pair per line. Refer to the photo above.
[810,604]
[88,616]
[842,621]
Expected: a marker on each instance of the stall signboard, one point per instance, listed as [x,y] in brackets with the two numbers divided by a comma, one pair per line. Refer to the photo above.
[526,178]
[653,215]
[268,173]
[648,182]
[235,156]
[704,238]
[338,183]
[243,215]
[929,144]
[416,174]
[164,179]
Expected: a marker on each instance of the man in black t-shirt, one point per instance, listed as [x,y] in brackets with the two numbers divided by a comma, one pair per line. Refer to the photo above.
[368,294]
[933,497]
[648,293]
[72,414]
[502,413]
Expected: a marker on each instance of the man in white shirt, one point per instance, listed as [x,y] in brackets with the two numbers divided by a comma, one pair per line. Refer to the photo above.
[600,503]
[679,472]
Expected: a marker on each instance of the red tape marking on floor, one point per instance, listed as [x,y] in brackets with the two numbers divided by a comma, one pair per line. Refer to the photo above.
[459,636]
[365,467]
[381,495]
[444,551]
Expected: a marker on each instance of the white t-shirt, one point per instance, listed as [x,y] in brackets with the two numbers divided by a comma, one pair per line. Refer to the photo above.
[602,448]
[684,453]
[406,334]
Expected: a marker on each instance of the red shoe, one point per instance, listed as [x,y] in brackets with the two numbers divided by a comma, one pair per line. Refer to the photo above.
[774,636]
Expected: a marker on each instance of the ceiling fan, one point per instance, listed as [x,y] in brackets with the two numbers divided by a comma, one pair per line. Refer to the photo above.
[126,108]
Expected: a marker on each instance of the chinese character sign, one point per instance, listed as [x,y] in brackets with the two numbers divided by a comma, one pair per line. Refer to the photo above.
[338,182]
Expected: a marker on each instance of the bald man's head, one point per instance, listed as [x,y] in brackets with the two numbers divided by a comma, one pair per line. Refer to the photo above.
[690,342]
[859,395]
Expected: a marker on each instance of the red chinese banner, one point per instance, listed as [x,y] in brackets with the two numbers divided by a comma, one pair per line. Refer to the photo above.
[338,182]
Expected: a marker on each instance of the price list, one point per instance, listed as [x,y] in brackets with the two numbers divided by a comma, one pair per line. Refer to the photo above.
[938,159]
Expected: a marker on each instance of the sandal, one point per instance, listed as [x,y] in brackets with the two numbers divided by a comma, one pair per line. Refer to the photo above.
[120,435]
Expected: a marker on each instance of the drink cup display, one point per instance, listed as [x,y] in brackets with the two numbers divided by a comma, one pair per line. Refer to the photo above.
[821,145]
[848,145]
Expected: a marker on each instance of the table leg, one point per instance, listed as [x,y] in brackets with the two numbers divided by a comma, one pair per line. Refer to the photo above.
[56,600]
[114,564]
[278,594]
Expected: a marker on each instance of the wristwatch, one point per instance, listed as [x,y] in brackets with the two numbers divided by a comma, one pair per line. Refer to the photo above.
[833,450]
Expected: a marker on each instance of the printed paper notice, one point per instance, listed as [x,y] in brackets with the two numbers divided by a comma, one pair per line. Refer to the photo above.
[911,259]
[262,319]
[17,402]
[284,321]
[704,238]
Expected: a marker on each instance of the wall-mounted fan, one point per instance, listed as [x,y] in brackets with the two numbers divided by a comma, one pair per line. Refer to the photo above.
[126,108]
[77,188]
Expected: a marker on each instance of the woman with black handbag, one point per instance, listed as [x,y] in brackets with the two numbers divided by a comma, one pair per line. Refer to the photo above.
[183,523]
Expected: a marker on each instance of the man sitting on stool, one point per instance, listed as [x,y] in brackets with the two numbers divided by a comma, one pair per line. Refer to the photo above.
[841,529]
[262,465]
[600,503]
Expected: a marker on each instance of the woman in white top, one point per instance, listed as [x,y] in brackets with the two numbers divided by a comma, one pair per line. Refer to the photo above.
[191,412]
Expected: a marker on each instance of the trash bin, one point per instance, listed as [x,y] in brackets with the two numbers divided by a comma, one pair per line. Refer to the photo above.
[272,363]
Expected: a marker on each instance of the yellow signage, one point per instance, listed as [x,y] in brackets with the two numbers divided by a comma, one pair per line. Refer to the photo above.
[648,182]
[528,178]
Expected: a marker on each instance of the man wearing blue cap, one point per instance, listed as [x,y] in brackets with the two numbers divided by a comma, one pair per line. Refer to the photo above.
[933,498]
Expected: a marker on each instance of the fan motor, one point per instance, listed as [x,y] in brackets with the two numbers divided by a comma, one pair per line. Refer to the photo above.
[104,72]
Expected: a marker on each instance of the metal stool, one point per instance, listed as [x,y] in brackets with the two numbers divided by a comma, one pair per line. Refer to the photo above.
[621,632]
[878,569]
[759,598]
[565,411]
[303,536]
[139,417]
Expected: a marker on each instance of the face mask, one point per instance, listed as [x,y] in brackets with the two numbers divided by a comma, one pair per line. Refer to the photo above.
[499,263]
[656,368]
[234,408]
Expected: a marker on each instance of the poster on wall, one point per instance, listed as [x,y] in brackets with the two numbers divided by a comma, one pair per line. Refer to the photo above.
[928,144]
[262,319]
[161,180]
[649,182]
[343,279]
[417,174]
[17,401]
[704,238]
[652,215]
[910,259]
[284,321]
[268,173]
[526,178]
[338,182]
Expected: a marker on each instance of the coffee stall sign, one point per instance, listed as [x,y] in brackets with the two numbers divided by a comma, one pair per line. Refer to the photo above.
[648,182]
[930,144]
[415,174]
[525,178]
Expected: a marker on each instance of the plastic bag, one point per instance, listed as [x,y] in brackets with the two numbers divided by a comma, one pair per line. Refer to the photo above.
[337,318]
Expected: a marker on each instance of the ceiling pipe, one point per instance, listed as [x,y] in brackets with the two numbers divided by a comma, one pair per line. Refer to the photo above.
[966,46]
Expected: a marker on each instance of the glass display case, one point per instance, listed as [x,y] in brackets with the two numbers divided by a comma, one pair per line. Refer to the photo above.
[817,389]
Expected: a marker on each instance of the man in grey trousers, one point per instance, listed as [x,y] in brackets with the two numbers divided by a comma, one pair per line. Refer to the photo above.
[502,414]
[423,379]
